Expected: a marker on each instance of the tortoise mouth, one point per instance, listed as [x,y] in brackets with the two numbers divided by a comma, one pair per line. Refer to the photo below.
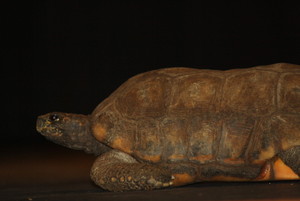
[45,128]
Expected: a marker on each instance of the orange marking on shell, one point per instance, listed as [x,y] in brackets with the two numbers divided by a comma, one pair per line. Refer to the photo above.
[99,132]
[202,158]
[121,144]
[283,172]
[176,157]
[153,158]
[182,179]
[233,161]
[265,173]
[267,153]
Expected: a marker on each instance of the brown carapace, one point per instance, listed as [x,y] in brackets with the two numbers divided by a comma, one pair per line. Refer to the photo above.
[176,126]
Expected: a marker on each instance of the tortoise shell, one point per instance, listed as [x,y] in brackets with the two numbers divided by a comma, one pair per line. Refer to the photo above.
[241,116]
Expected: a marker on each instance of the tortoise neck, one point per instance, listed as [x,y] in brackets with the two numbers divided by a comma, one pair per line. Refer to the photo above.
[84,139]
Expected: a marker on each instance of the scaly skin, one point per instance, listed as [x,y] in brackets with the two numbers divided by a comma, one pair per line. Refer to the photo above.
[117,171]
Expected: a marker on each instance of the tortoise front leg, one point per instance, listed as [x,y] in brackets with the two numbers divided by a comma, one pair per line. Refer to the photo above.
[118,171]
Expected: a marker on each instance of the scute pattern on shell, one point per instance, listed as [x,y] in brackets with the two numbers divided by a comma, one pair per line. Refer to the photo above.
[206,115]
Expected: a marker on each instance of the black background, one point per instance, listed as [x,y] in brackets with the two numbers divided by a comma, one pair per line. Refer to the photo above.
[69,55]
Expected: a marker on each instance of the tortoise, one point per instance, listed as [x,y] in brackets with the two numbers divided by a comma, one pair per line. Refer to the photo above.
[176,126]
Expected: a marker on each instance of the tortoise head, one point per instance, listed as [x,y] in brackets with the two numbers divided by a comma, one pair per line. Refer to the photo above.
[69,130]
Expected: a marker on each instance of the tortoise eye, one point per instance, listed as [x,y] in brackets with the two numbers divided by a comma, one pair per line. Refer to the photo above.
[54,117]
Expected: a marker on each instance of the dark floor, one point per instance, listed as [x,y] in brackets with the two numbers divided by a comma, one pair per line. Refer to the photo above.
[52,173]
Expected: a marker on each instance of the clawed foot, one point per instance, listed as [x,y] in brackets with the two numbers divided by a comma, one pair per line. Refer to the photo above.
[130,183]
[116,171]
[159,184]
[143,182]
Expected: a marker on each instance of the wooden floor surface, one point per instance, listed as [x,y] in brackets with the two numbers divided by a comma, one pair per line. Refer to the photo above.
[52,173]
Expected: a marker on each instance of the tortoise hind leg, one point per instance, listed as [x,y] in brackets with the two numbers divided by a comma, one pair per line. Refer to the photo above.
[118,171]
[290,158]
